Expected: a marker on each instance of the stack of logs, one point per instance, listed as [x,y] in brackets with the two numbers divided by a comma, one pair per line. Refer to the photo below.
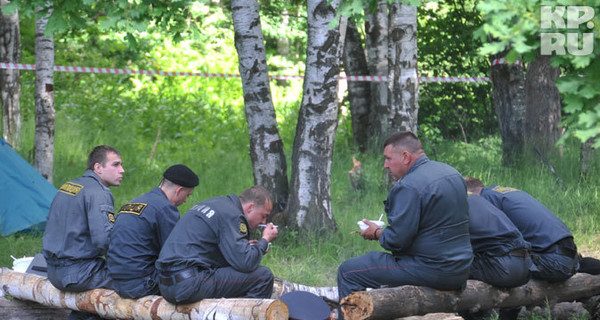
[385,303]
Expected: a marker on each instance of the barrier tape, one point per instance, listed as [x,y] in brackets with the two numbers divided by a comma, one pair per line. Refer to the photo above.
[504,61]
[19,66]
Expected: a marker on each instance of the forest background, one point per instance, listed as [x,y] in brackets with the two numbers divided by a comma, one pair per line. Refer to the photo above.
[157,121]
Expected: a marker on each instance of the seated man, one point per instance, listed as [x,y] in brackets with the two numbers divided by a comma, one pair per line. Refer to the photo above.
[553,251]
[79,223]
[142,227]
[428,232]
[209,253]
[501,255]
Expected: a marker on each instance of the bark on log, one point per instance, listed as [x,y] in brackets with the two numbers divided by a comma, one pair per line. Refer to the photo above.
[281,287]
[15,309]
[413,300]
[108,304]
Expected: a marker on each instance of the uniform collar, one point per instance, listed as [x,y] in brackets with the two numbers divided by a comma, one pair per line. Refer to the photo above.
[422,160]
[90,173]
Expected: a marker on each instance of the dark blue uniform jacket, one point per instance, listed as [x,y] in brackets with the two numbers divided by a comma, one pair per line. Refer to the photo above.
[428,217]
[491,230]
[141,229]
[212,234]
[538,225]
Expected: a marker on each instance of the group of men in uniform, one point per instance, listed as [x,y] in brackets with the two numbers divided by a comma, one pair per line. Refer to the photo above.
[442,230]
[148,249]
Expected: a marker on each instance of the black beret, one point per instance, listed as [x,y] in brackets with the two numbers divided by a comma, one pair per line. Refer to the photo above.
[181,175]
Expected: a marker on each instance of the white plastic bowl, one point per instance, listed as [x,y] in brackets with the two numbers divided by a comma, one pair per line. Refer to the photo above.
[363,226]
[21,265]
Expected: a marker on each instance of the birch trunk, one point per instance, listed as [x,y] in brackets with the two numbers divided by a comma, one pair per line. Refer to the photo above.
[44,98]
[309,207]
[359,92]
[403,83]
[10,86]
[542,105]
[266,146]
[376,44]
[509,104]
[108,304]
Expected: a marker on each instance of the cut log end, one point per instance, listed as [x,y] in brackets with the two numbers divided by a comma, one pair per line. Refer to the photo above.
[278,310]
[357,306]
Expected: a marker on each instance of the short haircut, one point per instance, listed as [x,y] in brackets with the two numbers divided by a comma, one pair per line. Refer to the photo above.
[473,184]
[98,155]
[404,140]
[257,194]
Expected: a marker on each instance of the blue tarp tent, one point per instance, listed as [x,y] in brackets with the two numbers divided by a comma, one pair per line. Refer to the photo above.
[25,195]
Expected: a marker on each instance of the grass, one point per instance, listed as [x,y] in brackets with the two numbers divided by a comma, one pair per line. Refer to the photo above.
[226,168]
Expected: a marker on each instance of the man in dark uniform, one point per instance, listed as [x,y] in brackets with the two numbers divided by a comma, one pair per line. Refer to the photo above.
[553,251]
[501,255]
[142,227]
[428,226]
[209,253]
[79,223]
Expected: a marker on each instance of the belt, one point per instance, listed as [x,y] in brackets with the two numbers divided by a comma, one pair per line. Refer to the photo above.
[521,253]
[178,276]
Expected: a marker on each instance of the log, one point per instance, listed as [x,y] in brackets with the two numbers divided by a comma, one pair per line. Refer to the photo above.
[108,304]
[390,303]
[281,287]
[16,309]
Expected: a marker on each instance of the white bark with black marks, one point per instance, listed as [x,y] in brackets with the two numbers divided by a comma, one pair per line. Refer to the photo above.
[376,44]
[403,82]
[44,98]
[266,146]
[10,86]
[309,207]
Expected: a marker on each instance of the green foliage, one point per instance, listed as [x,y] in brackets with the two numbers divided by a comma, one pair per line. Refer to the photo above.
[516,25]
[446,48]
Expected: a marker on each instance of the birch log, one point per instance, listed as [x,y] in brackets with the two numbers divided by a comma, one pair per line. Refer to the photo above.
[281,287]
[108,304]
[390,303]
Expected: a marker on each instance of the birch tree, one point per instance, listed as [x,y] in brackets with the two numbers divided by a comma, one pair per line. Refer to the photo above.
[44,96]
[10,86]
[403,82]
[266,146]
[309,205]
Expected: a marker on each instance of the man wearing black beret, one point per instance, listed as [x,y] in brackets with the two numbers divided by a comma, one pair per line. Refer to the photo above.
[141,228]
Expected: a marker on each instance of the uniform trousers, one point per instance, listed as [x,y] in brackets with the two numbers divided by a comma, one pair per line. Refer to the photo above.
[78,276]
[376,269]
[223,282]
[137,287]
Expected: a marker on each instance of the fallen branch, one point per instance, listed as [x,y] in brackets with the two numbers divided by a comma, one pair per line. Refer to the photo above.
[390,303]
[109,304]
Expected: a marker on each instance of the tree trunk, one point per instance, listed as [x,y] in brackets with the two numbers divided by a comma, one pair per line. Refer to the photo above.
[266,147]
[390,303]
[16,309]
[108,304]
[44,98]
[542,105]
[309,206]
[359,92]
[403,83]
[10,86]
[281,287]
[509,105]
[586,157]
[376,43]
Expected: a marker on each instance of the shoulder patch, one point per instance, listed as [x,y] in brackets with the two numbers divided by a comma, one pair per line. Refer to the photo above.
[70,188]
[504,189]
[133,207]
[243,228]
[111,217]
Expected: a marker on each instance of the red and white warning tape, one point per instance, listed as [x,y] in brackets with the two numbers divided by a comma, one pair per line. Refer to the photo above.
[504,61]
[20,66]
